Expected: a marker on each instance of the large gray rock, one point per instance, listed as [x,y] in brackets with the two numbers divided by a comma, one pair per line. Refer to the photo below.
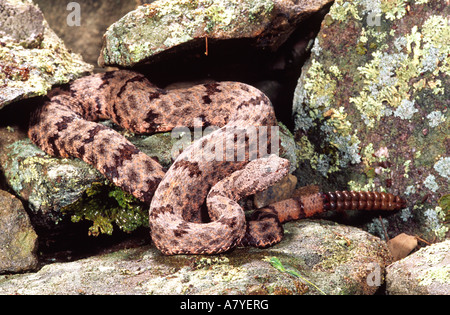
[163,25]
[18,241]
[46,183]
[32,57]
[315,258]
[427,271]
[371,108]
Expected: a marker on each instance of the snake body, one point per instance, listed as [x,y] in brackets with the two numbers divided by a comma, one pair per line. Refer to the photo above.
[66,125]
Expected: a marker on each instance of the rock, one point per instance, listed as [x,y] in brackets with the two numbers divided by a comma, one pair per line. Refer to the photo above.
[46,183]
[32,57]
[401,245]
[22,23]
[18,240]
[371,108]
[427,271]
[95,17]
[159,27]
[333,259]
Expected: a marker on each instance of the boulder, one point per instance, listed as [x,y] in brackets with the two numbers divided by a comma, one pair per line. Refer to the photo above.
[162,26]
[315,258]
[427,271]
[46,183]
[371,108]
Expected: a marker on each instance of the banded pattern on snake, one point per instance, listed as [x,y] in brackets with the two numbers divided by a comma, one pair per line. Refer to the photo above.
[65,125]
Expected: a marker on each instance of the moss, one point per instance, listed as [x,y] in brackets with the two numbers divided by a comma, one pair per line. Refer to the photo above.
[105,205]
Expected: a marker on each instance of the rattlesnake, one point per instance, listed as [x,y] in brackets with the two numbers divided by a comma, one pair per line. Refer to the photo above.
[65,125]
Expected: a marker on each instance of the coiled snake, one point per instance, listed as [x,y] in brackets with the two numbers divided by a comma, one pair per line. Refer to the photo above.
[65,125]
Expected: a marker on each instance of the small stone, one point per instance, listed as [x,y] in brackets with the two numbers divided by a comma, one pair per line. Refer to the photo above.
[401,245]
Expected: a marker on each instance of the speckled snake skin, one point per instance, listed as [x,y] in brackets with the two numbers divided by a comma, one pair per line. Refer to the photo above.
[65,126]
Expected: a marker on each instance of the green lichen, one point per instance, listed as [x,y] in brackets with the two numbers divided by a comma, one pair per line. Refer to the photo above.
[433,257]
[368,185]
[317,96]
[208,263]
[394,9]
[439,274]
[106,205]
[342,9]
[388,75]
[398,73]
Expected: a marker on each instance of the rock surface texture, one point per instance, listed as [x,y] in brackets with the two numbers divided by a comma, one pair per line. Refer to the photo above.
[159,27]
[83,34]
[333,259]
[427,271]
[32,57]
[371,107]
[18,241]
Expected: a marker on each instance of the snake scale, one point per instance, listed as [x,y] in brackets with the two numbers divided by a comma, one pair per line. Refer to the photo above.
[66,126]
